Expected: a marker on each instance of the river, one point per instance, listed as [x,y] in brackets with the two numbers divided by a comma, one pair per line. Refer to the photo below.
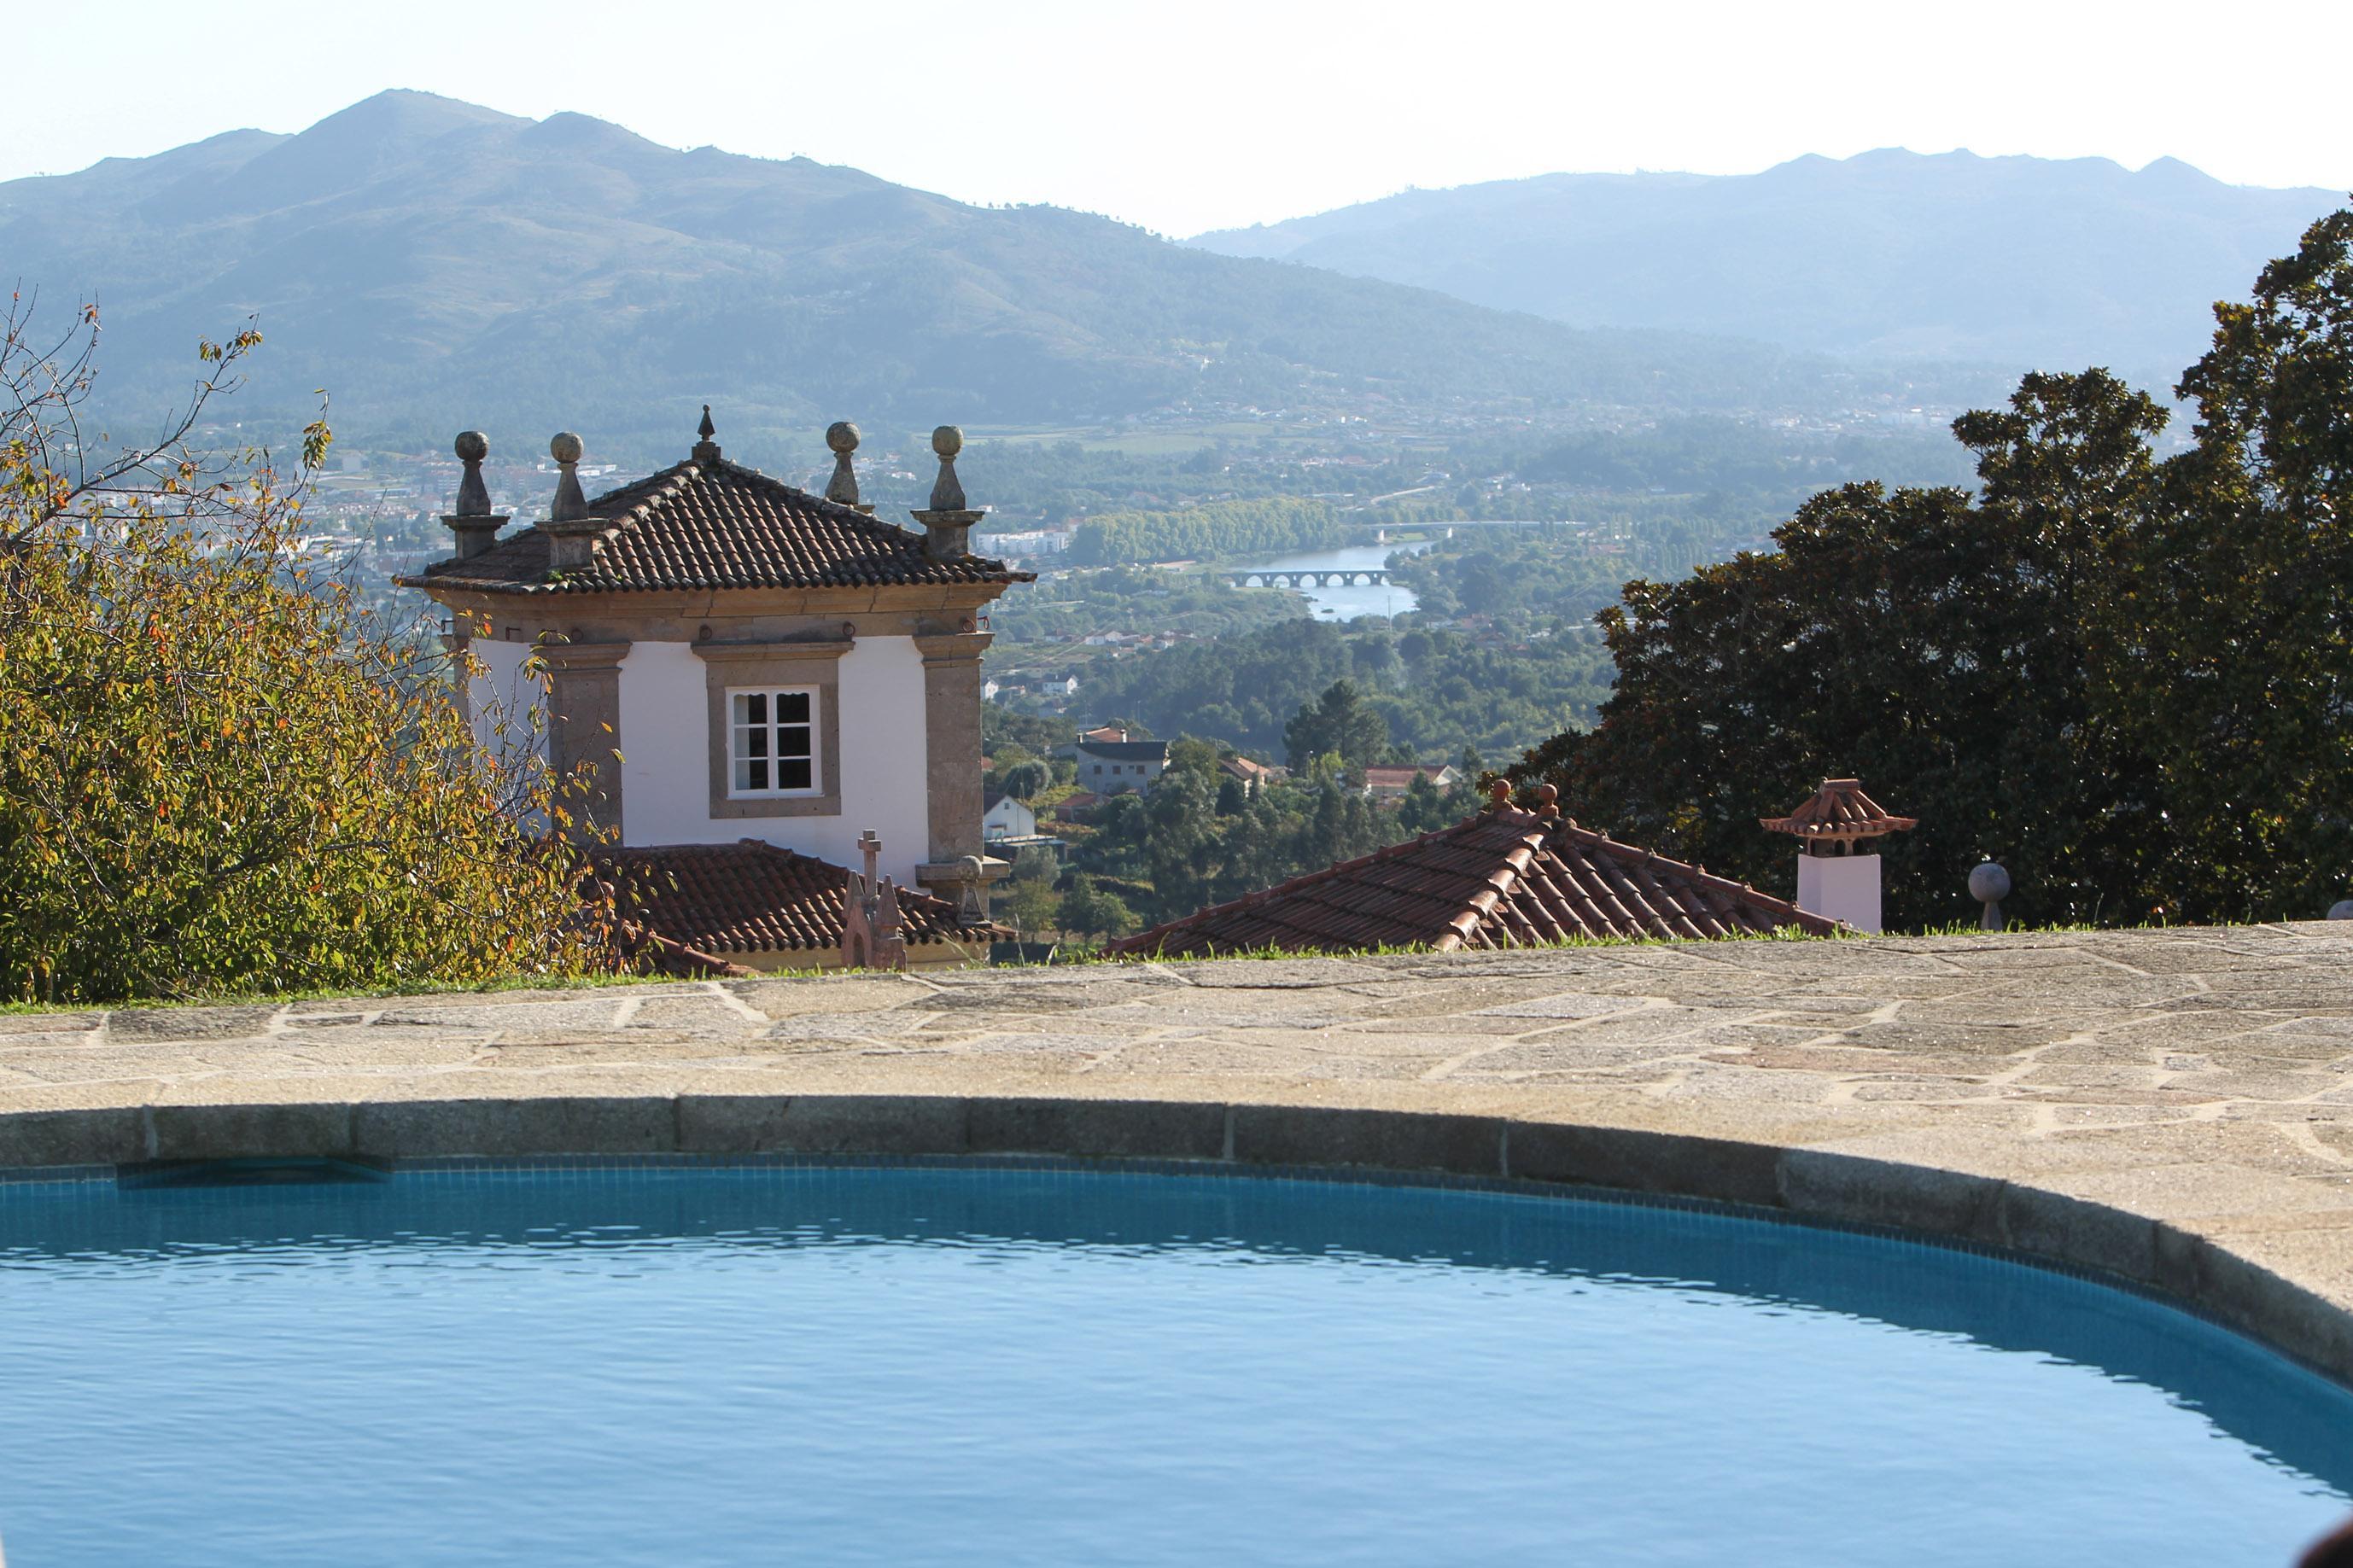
[1342,603]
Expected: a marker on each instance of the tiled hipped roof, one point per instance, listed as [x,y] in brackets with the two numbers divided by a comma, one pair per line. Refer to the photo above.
[752,897]
[1505,877]
[714,523]
[1839,810]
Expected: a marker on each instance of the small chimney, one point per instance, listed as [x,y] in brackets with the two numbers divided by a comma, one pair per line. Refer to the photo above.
[571,531]
[1833,879]
[947,523]
[473,522]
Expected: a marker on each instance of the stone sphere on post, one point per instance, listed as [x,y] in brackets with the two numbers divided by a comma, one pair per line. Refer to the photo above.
[473,446]
[947,441]
[1989,884]
[565,447]
[841,437]
[2342,909]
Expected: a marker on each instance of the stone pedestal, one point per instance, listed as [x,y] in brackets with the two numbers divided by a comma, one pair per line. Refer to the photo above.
[1845,888]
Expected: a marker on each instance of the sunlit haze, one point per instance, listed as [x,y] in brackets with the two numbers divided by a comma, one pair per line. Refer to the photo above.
[1213,115]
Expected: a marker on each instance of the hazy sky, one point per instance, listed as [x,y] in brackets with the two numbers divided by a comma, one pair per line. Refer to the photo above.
[1191,115]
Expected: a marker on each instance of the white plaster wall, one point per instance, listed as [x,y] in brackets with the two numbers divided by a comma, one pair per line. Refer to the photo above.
[1843,887]
[666,752]
[503,694]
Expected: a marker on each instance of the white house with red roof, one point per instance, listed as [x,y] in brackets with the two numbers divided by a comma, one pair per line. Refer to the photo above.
[730,661]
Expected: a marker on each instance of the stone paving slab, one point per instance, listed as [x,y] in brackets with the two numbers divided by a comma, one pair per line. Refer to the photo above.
[2175,1106]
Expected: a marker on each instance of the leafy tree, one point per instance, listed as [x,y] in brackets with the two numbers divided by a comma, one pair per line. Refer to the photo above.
[213,776]
[2127,678]
[1033,905]
[1424,806]
[1090,911]
[1340,721]
[2241,605]
[1027,780]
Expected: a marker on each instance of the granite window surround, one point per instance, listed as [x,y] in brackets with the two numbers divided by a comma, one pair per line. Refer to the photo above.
[812,666]
[774,749]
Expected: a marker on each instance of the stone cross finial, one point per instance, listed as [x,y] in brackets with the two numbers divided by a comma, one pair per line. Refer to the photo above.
[706,450]
[870,846]
[476,528]
[841,437]
[947,491]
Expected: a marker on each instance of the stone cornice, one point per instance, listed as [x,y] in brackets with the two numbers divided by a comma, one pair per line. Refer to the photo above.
[570,656]
[807,647]
[952,647]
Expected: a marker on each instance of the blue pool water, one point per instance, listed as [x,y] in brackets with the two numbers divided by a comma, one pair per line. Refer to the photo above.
[969,1365]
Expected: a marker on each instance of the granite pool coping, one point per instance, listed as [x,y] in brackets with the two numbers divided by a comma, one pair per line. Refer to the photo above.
[2173,1107]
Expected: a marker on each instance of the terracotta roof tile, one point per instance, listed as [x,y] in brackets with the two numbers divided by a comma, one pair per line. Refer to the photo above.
[1839,810]
[1505,877]
[752,896]
[717,524]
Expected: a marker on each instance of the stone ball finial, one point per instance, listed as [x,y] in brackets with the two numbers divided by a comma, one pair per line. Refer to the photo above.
[1500,793]
[841,437]
[2342,909]
[565,447]
[1989,884]
[473,446]
[947,440]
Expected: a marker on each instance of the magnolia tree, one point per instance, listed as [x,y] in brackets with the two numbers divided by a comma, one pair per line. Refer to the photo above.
[217,774]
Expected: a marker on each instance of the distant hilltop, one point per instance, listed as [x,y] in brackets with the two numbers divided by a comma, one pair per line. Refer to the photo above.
[434,263]
[2022,262]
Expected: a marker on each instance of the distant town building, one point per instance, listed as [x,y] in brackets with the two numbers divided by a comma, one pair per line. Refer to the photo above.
[1077,806]
[1117,767]
[1387,785]
[1004,816]
[1254,777]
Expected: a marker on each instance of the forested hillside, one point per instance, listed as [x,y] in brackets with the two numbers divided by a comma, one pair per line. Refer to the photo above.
[435,263]
[1437,691]
[2016,262]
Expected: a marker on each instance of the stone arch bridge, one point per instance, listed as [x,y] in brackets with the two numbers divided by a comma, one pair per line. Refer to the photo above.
[1330,577]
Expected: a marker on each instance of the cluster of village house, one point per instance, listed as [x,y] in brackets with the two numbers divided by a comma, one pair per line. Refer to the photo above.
[772,701]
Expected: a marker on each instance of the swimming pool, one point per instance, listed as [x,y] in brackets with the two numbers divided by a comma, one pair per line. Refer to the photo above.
[958,1363]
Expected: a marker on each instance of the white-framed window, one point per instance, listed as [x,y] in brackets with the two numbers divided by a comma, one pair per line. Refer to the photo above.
[772,741]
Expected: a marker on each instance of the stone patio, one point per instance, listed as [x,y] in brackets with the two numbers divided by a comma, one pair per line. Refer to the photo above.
[2175,1107]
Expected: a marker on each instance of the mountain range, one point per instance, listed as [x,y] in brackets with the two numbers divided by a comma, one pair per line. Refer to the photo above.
[434,264]
[2016,262]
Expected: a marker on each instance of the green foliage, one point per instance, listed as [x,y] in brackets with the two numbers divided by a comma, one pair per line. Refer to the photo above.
[1212,532]
[1087,911]
[1437,691]
[214,777]
[1341,723]
[2127,677]
[1026,781]
[1033,906]
[1003,730]
[1126,598]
